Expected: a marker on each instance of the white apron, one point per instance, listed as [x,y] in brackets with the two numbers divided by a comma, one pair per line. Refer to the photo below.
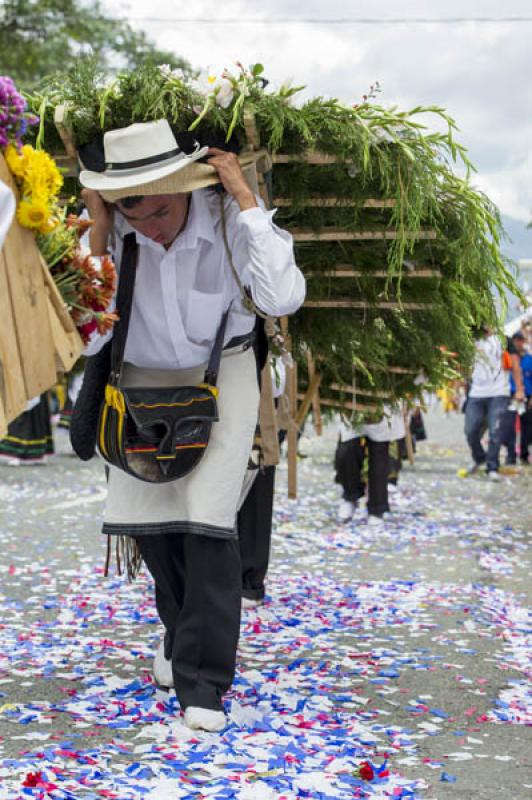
[207,499]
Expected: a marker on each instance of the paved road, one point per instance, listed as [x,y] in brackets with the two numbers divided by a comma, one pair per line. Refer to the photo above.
[407,645]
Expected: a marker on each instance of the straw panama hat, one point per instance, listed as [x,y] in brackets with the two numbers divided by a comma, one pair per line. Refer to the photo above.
[145,159]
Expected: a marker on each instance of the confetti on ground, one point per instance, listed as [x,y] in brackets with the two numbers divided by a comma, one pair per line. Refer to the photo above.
[336,695]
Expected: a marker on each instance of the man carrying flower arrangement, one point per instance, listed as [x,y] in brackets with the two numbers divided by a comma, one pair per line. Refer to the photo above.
[204,260]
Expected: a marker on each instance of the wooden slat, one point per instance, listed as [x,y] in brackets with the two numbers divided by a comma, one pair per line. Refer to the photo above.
[309,157]
[29,303]
[3,419]
[339,235]
[65,132]
[316,411]
[408,436]
[56,299]
[12,390]
[268,418]
[291,385]
[355,390]
[67,344]
[341,272]
[394,370]
[361,304]
[334,202]
[370,409]
[66,165]
[304,408]
[252,134]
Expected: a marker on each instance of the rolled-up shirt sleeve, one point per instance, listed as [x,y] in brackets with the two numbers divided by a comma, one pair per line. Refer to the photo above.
[263,255]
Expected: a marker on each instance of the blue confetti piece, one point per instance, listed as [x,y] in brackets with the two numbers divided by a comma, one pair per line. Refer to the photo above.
[389,673]
[446,778]
[438,712]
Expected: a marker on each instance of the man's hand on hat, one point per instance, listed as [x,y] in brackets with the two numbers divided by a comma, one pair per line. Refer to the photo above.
[102,215]
[231,175]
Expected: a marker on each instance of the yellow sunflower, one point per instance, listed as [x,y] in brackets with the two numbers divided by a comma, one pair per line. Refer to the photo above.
[15,161]
[33,214]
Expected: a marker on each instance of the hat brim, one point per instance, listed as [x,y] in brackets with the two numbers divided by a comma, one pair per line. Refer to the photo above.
[181,175]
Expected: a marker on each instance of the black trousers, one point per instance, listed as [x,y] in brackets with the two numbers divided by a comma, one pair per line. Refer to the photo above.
[198,597]
[254,525]
[349,461]
[508,434]
[526,431]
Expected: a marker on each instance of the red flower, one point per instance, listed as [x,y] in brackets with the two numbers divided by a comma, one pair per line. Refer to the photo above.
[33,779]
[365,771]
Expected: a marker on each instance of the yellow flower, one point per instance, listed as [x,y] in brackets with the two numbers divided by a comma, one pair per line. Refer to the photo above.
[33,214]
[49,225]
[15,161]
[41,175]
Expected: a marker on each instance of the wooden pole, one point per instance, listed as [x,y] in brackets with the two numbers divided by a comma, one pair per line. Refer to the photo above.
[408,436]
[303,409]
[292,431]
[363,305]
[316,410]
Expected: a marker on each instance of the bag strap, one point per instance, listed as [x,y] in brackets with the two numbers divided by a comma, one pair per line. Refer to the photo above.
[247,300]
[124,301]
[211,373]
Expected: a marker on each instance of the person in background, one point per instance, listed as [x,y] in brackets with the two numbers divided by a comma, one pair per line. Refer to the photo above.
[369,440]
[517,410]
[29,440]
[254,520]
[488,398]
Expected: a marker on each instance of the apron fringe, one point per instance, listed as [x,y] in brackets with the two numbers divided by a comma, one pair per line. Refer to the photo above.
[127,556]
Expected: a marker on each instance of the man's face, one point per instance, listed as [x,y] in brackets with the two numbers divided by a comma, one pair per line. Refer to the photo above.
[159,218]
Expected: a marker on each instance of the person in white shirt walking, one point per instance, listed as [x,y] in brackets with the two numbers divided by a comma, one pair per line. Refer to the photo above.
[197,250]
[488,400]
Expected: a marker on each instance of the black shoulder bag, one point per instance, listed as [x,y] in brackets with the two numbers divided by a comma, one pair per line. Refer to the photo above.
[155,434]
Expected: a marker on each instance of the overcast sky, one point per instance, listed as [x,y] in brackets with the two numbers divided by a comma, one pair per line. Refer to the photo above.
[480,72]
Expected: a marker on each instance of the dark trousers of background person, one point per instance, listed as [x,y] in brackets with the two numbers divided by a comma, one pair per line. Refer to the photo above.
[349,462]
[394,461]
[526,432]
[254,526]
[477,410]
[508,436]
[417,428]
[198,598]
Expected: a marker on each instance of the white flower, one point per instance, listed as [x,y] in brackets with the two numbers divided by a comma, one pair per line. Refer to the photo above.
[167,72]
[224,93]
[209,83]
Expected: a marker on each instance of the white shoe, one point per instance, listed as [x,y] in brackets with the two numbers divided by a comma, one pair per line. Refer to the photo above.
[250,602]
[375,523]
[162,668]
[346,511]
[205,719]
[494,476]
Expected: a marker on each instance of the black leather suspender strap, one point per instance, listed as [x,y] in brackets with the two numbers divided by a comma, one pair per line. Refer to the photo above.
[211,373]
[124,302]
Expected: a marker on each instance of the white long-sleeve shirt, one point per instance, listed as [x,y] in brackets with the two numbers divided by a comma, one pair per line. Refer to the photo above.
[181,293]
